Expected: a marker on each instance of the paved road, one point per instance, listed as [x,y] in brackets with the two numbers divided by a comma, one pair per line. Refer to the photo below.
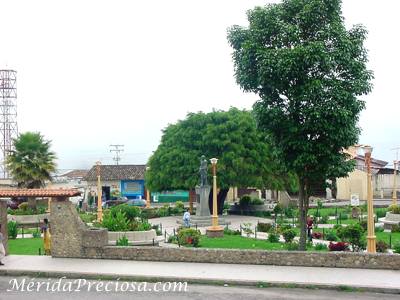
[193,292]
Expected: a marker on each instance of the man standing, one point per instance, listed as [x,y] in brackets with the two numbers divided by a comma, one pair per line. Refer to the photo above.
[186,218]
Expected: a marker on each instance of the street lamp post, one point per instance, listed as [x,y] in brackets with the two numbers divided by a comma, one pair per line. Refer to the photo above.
[394,197]
[215,230]
[371,238]
[99,194]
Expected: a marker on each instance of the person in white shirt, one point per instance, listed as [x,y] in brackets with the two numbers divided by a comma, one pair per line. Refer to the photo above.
[186,218]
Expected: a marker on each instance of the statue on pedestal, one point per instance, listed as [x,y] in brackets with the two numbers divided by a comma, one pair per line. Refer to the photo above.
[203,171]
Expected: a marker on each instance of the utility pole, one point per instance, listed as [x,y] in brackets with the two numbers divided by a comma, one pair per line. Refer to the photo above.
[117,150]
[395,163]
[99,194]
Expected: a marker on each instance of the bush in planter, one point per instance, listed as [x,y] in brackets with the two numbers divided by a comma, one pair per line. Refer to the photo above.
[164,211]
[339,246]
[256,201]
[119,222]
[150,213]
[245,201]
[289,235]
[353,234]
[139,226]
[12,229]
[394,209]
[131,212]
[123,241]
[189,236]
[382,246]
[273,237]
[331,236]
[264,227]
[179,208]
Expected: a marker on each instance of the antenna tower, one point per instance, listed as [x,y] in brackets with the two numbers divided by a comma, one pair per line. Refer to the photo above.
[116,149]
[8,116]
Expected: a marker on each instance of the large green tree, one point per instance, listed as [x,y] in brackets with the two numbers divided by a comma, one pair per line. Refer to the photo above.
[31,162]
[245,158]
[308,71]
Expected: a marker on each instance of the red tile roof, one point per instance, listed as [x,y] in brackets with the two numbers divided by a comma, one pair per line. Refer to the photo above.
[39,193]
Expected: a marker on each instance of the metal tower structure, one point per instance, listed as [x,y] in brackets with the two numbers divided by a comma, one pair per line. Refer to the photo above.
[8,115]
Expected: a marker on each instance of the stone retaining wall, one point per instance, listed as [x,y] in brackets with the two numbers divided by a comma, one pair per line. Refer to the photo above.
[258,257]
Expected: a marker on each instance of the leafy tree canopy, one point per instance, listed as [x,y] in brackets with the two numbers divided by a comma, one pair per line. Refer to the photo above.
[309,71]
[245,158]
[31,162]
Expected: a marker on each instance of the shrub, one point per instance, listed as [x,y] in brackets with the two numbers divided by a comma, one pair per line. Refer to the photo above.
[396,248]
[379,229]
[246,228]
[256,201]
[23,206]
[262,214]
[339,246]
[363,224]
[228,231]
[324,220]
[245,201]
[164,211]
[317,235]
[289,235]
[139,226]
[321,247]
[36,234]
[123,241]
[131,212]
[289,212]
[292,246]
[395,228]
[88,217]
[395,209]
[331,236]
[273,237]
[337,226]
[343,216]
[382,246]
[179,207]
[353,234]
[189,236]
[380,213]
[12,229]
[278,209]
[119,222]
[283,227]
[264,227]
[150,213]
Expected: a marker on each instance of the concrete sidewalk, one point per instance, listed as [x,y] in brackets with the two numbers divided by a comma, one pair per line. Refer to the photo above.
[332,278]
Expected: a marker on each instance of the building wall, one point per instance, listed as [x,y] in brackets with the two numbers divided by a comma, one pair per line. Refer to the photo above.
[355,183]
[384,185]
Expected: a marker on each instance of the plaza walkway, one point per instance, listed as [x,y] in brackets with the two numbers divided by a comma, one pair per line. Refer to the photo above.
[233,274]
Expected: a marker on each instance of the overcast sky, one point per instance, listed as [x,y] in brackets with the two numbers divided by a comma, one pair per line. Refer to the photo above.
[95,73]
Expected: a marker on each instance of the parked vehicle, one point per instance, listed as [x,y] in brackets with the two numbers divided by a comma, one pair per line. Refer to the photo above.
[136,202]
[110,203]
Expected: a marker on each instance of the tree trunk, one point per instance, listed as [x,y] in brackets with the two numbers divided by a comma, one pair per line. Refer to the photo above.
[302,215]
[32,203]
[192,199]
[221,196]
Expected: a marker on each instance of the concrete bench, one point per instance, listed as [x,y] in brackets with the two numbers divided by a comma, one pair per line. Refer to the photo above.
[135,238]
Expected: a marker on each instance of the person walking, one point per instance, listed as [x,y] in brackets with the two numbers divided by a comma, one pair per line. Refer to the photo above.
[2,249]
[310,223]
[46,237]
[186,218]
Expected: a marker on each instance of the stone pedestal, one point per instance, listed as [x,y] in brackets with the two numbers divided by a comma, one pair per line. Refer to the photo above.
[3,222]
[213,232]
[202,208]
[390,220]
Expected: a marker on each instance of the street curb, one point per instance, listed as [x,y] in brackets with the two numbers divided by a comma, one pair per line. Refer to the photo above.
[194,280]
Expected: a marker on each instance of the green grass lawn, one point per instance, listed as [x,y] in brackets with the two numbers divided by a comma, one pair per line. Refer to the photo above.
[29,246]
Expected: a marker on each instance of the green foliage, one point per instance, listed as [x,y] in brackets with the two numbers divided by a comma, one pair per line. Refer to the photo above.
[289,235]
[36,234]
[245,201]
[12,229]
[396,248]
[24,210]
[264,227]
[189,236]
[324,220]
[380,212]
[353,234]
[139,226]
[292,246]
[88,217]
[382,246]
[273,237]
[289,212]
[131,212]
[321,247]
[256,201]
[228,231]
[117,222]
[379,229]
[180,207]
[231,136]
[331,236]
[308,71]
[123,241]
[278,209]
[31,163]
[395,228]
[394,209]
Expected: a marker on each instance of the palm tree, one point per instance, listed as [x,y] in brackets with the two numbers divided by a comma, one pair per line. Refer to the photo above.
[31,162]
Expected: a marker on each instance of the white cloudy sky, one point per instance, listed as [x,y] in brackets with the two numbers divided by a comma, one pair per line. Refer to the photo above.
[95,73]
